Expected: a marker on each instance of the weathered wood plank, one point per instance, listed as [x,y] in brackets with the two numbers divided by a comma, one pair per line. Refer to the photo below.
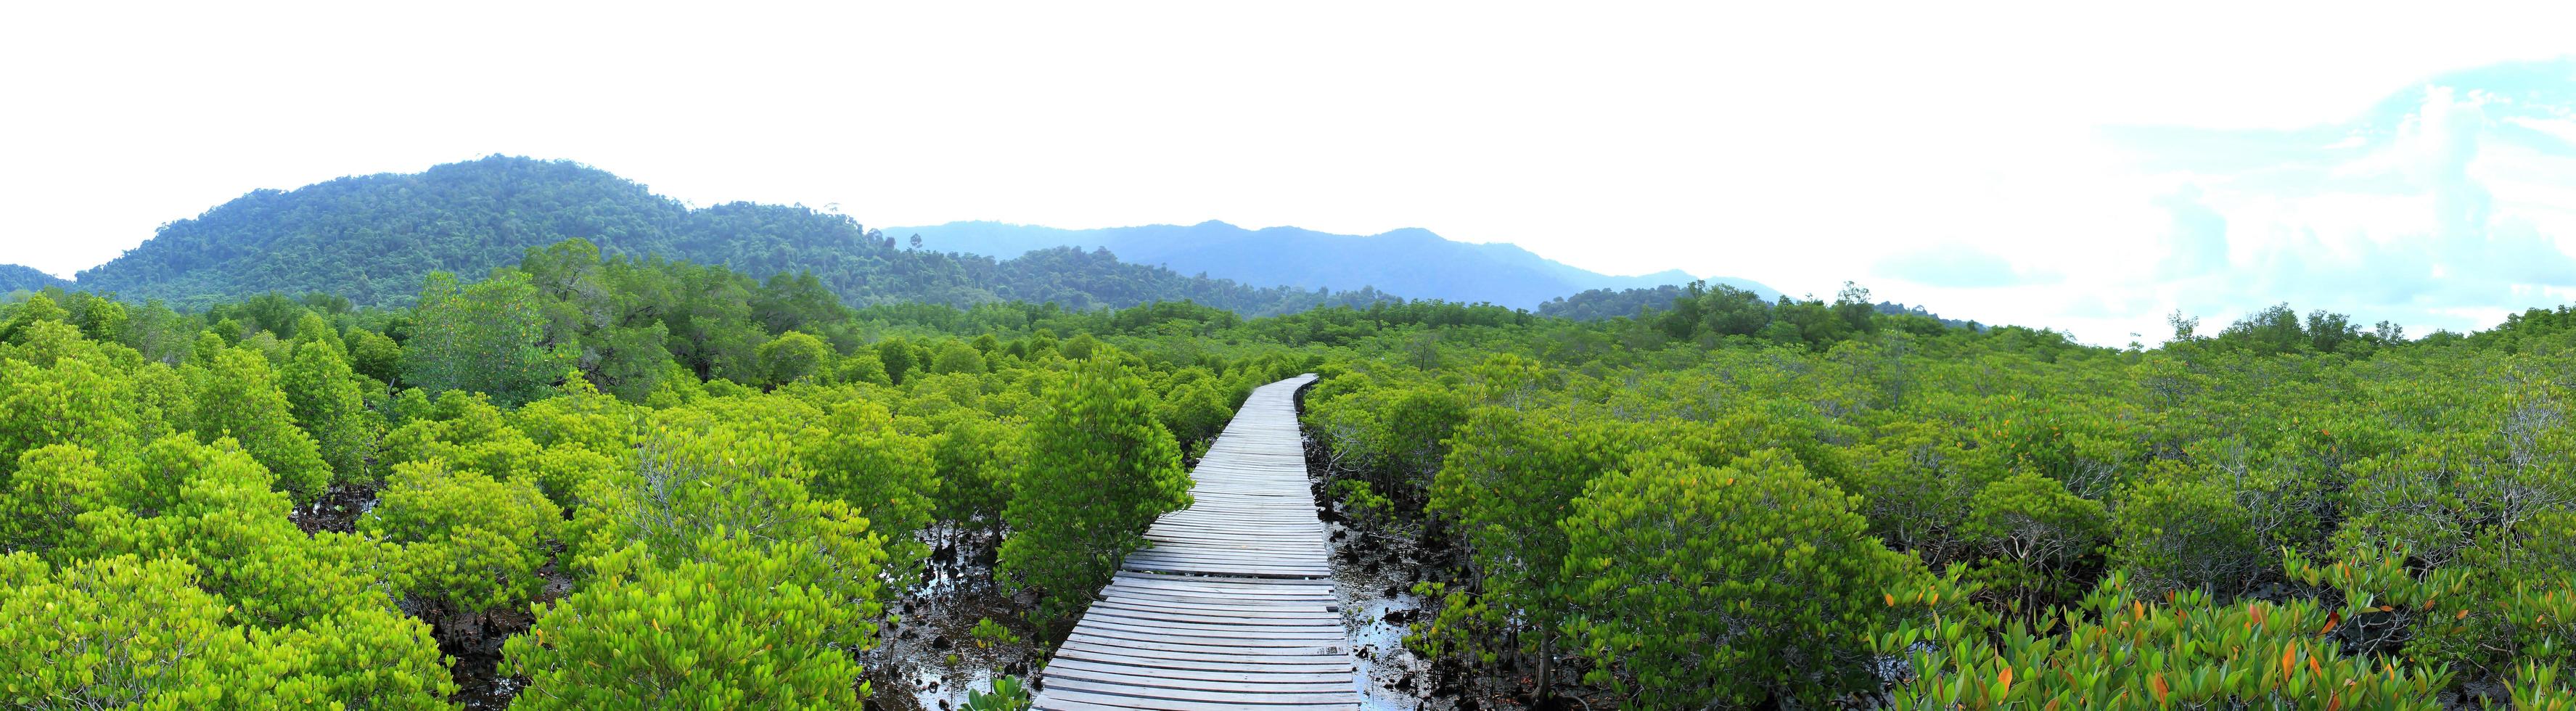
[1232,608]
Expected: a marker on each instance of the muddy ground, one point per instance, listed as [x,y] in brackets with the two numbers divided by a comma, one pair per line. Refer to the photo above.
[928,659]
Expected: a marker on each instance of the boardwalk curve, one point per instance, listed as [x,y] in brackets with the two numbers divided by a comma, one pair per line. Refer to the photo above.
[1233,606]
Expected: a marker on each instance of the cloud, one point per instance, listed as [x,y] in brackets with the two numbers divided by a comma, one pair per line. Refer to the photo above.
[1960,267]
[2438,206]
[2199,237]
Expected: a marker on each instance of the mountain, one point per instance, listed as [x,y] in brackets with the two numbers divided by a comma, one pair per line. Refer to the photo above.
[14,277]
[1413,262]
[373,238]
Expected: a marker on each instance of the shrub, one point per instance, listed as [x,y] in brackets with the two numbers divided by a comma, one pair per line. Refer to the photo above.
[475,543]
[738,625]
[2173,535]
[1099,470]
[1704,586]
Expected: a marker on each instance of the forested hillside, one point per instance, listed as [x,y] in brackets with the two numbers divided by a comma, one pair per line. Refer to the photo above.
[15,277]
[1413,262]
[590,480]
[371,239]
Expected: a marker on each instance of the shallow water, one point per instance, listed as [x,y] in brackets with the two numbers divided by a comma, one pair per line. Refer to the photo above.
[929,660]
[1377,607]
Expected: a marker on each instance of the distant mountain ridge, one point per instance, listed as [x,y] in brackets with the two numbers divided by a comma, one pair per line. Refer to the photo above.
[1413,262]
[374,238]
[14,277]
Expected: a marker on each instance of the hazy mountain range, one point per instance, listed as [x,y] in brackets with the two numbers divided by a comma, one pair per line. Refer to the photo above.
[374,238]
[1411,262]
[15,277]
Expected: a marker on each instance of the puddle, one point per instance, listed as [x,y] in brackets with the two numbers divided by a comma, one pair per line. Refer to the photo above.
[1377,608]
[930,660]
[1373,574]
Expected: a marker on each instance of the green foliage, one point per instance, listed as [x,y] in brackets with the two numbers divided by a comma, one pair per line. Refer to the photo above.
[466,432]
[1392,438]
[369,658]
[112,632]
[1099,469]
[957,357]
[862,366]
[1008,695]
[225,519]
[988,633]
[579,416]
[486,338]
[1509,478]
[71,400]
[694,489]
[2122,650]
[886,476]
[2037,533]
[718,453]
[328,401]
[54,485]
[239,398]
[1079,348]
[896,359]
[1192,410]
[475,544]
[735,625]
[792,357]
[977,460]
[1723,586]
[670,545]
[1917,481]
[119,631]
[373,239]
[373,355]
[38,308]
[564,473]
[2177,535]
[15,277]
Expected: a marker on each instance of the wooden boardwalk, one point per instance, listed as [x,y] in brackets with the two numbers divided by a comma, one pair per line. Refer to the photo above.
[1232,608]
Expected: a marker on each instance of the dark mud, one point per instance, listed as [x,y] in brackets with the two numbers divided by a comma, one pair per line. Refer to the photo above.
[928,658]
[474,642]
[337,510]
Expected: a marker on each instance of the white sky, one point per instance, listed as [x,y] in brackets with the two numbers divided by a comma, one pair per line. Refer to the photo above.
[1795,146]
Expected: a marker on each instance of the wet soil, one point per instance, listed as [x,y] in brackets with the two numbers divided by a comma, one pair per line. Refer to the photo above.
[474,642]
[337,510]
[928,659]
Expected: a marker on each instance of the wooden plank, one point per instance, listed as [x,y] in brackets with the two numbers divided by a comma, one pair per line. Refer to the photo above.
[1214,634]
[1216,693]
[1232,675]
[1174,660]
[1136,606]
[1232,606]
[1205,600]
[1050,696]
